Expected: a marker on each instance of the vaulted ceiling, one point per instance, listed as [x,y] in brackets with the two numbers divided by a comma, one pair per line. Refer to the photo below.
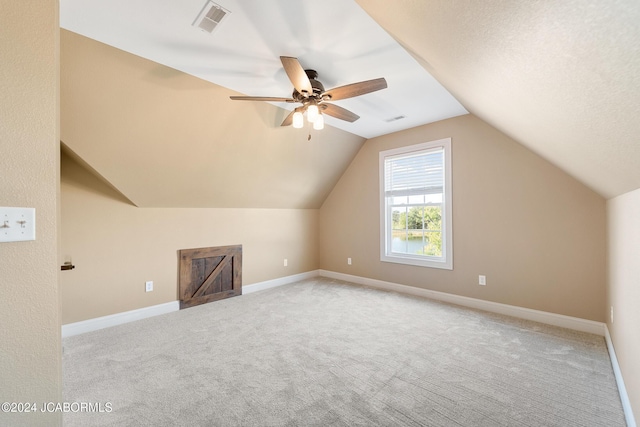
[164,138]
[562,78]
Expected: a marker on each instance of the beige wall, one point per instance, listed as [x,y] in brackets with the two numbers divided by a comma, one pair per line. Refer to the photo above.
[624,288]
[30,350]
[116,246]
[535,232]
[164,138]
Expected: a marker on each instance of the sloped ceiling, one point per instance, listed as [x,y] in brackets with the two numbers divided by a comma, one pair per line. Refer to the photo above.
[145,98]
[561,77]
[164,138]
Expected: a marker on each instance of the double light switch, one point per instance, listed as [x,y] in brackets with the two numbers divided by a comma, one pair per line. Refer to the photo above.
[17,224]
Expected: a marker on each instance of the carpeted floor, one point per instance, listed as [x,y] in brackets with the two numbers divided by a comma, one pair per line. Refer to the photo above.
[325,353]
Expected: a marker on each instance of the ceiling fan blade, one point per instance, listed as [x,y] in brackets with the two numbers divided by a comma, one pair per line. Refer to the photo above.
[289,119]
[338,112]
[297,75]
[356,89]
[261,98]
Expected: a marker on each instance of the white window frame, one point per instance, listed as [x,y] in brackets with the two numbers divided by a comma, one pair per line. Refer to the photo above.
[386,254]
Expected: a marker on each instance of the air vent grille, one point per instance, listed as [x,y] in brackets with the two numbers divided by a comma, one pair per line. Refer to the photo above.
[210,17]
[393,119]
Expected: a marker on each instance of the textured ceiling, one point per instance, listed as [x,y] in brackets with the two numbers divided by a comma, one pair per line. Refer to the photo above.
[561,77]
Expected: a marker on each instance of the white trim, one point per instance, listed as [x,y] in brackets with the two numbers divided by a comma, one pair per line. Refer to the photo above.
[386,254]
[94,324]
[563,321]
[268,284]
[560,320]
[624,397]
[71,329]
[574,323]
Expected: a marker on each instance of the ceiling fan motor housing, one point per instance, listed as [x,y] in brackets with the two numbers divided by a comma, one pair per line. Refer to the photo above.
[318,88]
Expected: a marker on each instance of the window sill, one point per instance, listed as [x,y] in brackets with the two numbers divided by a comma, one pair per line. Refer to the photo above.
[417,262]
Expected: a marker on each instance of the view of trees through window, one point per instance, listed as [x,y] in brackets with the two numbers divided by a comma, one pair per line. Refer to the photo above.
[417,230]
[415,205]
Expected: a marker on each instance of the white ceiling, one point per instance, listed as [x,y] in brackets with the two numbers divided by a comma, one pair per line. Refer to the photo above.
[335,37]
[560,77]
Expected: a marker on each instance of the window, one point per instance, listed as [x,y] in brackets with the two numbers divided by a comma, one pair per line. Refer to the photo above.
[415,205]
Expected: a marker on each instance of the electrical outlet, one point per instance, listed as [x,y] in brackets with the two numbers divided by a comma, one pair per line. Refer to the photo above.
[149,286]
[611,314]
[286,262]
[349,261]
[482,280]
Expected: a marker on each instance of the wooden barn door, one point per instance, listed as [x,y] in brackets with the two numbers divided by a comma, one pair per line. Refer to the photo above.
[209,274]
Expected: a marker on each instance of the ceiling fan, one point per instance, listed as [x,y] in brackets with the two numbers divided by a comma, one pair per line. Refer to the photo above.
[314,98]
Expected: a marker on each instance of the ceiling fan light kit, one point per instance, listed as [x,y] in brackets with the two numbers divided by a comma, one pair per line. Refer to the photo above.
[298,119]
[318,123]
[312,113]
[314,99]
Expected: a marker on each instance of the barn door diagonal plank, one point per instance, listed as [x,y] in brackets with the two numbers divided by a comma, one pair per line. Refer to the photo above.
[202,290]
[209,274]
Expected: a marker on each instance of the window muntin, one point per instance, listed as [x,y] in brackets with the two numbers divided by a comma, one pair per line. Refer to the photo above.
[415,204]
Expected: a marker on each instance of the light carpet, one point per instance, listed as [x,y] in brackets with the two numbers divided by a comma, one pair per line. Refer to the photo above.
[322,352]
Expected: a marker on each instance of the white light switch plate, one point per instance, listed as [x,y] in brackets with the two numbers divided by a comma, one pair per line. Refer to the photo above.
[17,224]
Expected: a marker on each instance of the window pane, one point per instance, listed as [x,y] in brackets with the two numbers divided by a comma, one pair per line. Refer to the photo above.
[400,242]
[432,244]
[433,198]
[399,218]
[428,243]
[399,200]
[415,222]
[433,218]
[418,199]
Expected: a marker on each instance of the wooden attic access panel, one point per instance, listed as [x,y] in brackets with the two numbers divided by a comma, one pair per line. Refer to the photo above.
[209,274]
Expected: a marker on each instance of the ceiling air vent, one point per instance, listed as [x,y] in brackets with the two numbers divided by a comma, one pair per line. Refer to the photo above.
[393,119]
[210,16]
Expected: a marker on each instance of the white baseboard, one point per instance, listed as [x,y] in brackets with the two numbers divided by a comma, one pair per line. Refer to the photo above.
[94,324]
[510,310]
[568,322]
[268,284]
[89,325]
[624,397]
